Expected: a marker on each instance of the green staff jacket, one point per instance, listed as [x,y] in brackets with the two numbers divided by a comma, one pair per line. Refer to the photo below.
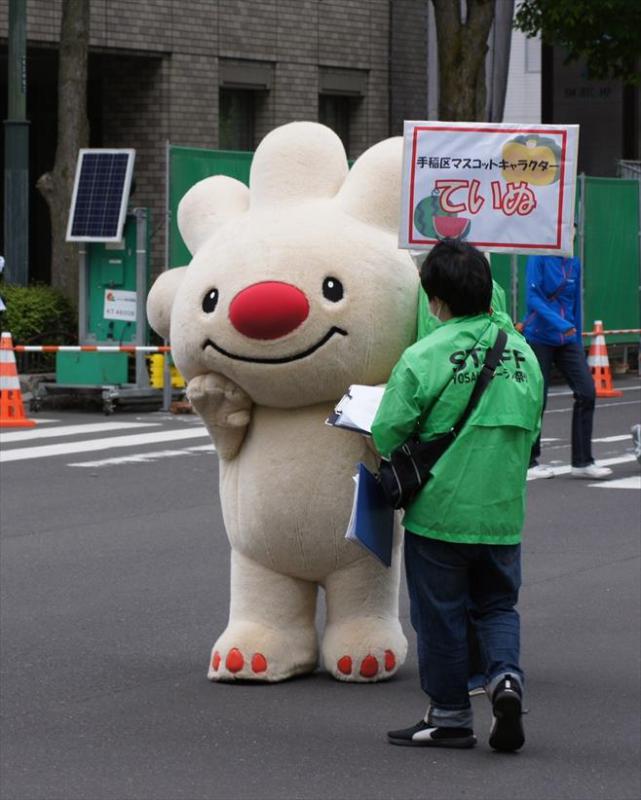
[477,491]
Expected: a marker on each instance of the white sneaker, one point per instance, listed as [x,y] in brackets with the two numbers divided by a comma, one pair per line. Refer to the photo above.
[539,471]
[591,471]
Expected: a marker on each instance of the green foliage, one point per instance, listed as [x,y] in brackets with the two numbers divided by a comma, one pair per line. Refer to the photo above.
[37,311]
[606,33]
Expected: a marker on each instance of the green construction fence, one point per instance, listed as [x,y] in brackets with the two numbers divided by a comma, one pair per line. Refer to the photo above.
[608,240]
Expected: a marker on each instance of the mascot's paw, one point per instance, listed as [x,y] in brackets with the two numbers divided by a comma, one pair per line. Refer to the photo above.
[364,649]
[251,652]
[219,401]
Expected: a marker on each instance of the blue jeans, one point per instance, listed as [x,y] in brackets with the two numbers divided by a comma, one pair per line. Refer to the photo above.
[570,360]
[448,583]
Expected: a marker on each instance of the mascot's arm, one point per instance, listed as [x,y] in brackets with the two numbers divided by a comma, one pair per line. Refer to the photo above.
[225,409]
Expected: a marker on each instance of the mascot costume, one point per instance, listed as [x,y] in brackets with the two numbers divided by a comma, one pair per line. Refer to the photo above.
[296,290]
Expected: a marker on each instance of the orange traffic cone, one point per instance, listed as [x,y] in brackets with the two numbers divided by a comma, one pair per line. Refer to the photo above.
[11,407]
[600,365]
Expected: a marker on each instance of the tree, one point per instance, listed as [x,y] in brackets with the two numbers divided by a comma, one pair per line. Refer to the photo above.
[73,133]
[606,33]
[462,47]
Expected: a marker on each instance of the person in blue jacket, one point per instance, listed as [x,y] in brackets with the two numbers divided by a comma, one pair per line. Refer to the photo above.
[552,328]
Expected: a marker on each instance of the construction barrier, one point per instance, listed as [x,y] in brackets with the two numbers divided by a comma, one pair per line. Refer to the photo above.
[600,365]
[12,414]
[89,348]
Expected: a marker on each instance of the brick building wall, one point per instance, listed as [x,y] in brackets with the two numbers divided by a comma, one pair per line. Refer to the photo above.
[160,70]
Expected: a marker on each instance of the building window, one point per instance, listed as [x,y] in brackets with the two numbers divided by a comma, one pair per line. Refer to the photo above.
[334,111]
[236,119]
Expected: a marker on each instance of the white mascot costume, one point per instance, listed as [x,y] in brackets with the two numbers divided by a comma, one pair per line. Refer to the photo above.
[296,290]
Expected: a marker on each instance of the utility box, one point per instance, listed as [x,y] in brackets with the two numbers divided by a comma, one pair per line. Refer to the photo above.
[114,280]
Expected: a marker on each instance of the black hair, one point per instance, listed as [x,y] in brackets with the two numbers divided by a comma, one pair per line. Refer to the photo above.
[459,275]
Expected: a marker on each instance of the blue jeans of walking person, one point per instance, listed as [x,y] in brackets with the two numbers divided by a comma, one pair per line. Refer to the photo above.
[571,362]
[444,580]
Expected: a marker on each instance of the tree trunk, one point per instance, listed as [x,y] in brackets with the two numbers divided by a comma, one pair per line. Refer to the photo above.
[73,133]
[462,46]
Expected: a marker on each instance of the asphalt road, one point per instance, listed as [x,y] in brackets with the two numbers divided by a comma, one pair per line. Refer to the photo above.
[115,584]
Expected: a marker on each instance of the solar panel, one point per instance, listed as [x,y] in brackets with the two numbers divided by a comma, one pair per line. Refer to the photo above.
[100,195]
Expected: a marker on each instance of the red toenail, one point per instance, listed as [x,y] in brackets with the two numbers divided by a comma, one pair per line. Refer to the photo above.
[259,662]
[344,665]
[369,667]
[235,660]
[215,662]
[390,660]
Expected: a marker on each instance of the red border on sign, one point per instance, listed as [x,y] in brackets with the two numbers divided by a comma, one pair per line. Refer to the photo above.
[437,128]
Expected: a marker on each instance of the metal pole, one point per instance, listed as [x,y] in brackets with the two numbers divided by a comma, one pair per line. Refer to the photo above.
[142,376]
[166,373]
[83,319]
[639,240]
[582,208]
[16,172]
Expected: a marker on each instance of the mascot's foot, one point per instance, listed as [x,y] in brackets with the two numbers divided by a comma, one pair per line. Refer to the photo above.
[364,649]
[251,652]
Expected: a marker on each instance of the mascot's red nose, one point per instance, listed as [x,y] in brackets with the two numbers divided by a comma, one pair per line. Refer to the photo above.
[268,310]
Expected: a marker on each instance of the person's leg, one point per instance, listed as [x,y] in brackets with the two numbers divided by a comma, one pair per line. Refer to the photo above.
[571,361]
[494,585]
[438,588]
[545,355]
[437,584]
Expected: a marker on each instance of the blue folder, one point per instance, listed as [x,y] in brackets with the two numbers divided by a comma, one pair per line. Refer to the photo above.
[373,520]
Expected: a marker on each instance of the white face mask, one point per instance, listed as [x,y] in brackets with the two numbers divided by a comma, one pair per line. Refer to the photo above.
[437,311]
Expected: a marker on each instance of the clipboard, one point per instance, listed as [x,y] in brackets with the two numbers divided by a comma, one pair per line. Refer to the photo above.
[356,410]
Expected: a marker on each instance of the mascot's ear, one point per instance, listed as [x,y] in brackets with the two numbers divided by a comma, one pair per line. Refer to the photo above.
[161,298]
[372,191]
[298,161]
[207,205]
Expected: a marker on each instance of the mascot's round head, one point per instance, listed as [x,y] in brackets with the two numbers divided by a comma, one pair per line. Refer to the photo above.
[297,287]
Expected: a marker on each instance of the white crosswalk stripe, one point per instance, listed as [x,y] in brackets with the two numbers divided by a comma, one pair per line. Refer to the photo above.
[107,443]
[71,430]
[633,482]
[142,458]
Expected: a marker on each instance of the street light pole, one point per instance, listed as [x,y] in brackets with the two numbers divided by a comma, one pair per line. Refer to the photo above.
[16,172]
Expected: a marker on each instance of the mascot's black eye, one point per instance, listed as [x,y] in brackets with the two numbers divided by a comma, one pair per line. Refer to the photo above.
[210,300]
[332,289]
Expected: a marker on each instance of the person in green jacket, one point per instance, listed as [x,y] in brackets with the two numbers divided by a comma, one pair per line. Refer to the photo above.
[426,322]
[463,528]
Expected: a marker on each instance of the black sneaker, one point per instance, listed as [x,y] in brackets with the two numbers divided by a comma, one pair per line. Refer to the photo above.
[507,729]
[424,735]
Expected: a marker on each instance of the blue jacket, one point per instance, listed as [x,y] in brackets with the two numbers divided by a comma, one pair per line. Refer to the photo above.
[553,298]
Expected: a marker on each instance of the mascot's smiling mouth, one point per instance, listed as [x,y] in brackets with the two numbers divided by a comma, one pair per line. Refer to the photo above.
[282,359]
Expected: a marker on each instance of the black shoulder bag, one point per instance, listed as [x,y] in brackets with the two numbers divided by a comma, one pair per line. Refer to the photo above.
[409,466]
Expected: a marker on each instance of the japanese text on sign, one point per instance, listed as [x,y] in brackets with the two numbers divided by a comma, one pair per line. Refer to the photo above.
[503,187]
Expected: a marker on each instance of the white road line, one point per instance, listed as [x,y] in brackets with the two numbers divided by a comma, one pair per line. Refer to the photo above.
[569,392]
[89,445]
[543,439]
[602,462]
[72,430]
[142,458]
[622,438]
[42,421]
[599,405]
[633,482]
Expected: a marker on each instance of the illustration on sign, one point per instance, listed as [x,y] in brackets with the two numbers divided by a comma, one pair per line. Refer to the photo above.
[506,188]
[120,304]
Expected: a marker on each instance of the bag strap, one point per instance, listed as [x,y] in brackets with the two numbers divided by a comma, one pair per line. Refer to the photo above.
[492,358]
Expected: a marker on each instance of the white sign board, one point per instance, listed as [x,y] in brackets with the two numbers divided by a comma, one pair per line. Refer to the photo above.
[120,304]
[502,187]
